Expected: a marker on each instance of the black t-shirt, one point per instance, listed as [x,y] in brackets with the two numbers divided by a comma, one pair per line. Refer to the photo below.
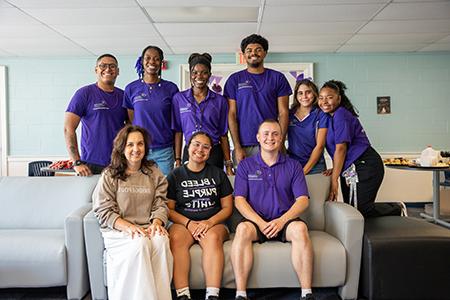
[197,194]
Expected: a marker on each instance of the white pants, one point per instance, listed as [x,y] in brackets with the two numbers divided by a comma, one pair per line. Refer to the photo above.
[139,268]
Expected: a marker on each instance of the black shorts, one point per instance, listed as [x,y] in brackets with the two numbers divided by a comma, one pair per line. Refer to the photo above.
[281,236]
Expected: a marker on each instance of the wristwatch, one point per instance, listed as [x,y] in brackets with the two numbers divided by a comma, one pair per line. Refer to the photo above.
[78,162]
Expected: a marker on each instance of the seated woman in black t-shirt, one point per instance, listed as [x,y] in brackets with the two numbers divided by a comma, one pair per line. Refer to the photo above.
[199,200]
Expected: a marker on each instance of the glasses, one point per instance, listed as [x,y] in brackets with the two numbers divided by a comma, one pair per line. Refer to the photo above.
[105,66]
[203,146]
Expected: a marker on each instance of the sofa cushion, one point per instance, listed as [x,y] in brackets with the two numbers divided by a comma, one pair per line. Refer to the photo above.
[22,200]
[318,188]
[32,258]
[272,264]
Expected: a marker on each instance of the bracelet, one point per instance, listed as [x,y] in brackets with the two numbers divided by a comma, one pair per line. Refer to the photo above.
[228,163]
[187,223]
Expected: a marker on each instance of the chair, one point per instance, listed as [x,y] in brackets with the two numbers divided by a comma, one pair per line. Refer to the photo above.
[34,168]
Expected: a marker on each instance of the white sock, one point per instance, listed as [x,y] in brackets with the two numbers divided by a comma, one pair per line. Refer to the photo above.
[183,291]
[306,292]
[212,291]
[242,294]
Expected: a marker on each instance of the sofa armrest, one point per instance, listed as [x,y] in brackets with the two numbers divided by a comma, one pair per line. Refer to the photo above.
[347,224]
[77,274]
[94,252]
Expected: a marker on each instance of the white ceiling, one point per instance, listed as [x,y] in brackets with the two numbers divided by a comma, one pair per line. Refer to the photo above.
[124,27]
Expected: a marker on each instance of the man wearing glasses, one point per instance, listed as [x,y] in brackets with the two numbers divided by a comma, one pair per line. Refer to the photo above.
[99,108]
[254,95]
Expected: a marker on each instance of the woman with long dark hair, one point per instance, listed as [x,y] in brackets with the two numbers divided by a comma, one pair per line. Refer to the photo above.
[149,104]
[130,204]
[307,128]
[357,164]
[200,109]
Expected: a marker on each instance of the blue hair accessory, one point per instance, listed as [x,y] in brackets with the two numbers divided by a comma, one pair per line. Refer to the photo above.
[138,66]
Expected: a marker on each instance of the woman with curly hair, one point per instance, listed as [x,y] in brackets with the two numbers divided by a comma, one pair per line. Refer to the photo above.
[130,204]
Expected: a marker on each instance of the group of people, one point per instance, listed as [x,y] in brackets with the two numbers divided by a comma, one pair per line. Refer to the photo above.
[152,213]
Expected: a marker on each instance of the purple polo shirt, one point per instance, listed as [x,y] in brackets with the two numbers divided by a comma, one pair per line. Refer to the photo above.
[102,116]
[256,98]
[302,134]
[210,115]
[346,128]
[152,105]
[270,191]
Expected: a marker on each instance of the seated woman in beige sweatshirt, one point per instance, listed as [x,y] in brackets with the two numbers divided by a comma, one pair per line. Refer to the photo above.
[129,202]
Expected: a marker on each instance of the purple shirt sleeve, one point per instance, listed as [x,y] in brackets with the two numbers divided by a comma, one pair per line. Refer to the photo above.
[229,91]
[284,89]
[176,119]
[126,99]
[77,104]
[223,125]
[343,132]
[299,187]
[240,181]
[324,119]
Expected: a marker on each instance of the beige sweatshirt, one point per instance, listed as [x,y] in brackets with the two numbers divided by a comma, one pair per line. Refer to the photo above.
[139,199]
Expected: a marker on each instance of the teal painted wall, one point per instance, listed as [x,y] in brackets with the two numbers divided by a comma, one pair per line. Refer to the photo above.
[39,90]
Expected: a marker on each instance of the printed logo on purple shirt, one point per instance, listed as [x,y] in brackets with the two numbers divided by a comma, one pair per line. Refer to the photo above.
[100,105]
[256,176]
[139,98]
[245,85]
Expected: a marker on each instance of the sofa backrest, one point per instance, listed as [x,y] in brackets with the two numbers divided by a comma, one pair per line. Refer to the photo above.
[318,188]
[42,202]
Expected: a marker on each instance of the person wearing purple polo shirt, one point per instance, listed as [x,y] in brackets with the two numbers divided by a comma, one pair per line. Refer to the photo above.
[359,167]
[271,193]
[98,107]
[254,95]
[149,104]
[307,130]
[200,109]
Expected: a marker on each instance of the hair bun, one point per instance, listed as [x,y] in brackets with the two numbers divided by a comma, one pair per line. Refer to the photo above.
[339,84]
[193,56]
[207,56]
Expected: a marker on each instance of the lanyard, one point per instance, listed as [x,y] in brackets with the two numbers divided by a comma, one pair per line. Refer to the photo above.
[351,178]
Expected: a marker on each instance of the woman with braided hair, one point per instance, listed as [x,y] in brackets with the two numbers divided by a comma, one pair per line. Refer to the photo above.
[149,104]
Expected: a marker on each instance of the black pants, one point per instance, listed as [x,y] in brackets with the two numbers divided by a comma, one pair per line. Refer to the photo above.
[370,170]
[215,156]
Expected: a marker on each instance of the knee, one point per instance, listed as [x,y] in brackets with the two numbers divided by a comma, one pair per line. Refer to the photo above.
[178,240]
[299,231]
[244,232]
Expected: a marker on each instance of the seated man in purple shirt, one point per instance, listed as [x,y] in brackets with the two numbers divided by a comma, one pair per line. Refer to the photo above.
[271,193]
[98,107]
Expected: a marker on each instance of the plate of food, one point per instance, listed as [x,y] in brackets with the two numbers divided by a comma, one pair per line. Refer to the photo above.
[398,161]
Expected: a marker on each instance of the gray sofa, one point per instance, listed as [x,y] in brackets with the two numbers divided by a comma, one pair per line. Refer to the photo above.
[336,230]
[41,232]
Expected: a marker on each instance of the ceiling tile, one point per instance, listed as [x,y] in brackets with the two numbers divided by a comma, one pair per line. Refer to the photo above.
[177,3]
[320,13]
[310,28]
[408,38]
[315,2]
[444,40]
[415,11]
[13,16]
[116,31]
[204,14]
[4,4]
[418,26]
[298,40]
[381,48]
[436,47]
[41,46]
[212,49]
[27,31]
[303,48]
[72,4]
[203,40]
[89,16]
[182,29]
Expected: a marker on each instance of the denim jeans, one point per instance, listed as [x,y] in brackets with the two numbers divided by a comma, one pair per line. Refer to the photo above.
[164,158]
[319,167]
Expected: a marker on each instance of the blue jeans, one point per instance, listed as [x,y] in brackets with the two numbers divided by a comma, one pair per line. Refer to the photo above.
[319,167]
[164,158]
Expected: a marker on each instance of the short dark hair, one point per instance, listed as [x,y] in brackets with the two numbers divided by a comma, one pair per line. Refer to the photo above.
[270,121]
[254,39]
[107,55]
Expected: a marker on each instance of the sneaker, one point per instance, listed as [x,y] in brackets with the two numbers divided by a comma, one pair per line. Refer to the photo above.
[240,298]
[308,297]
[183,297]
[213,298]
